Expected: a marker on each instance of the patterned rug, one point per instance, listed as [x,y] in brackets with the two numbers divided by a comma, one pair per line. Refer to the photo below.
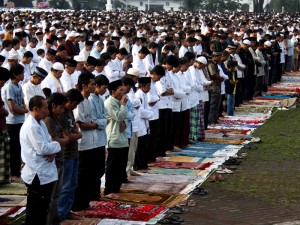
[13,189]
[175,171]
[123,211]
[180,165]
[13,200]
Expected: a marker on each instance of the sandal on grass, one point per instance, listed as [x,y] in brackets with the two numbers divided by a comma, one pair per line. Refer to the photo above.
[224,170]
[168,221]
[178,210]
[249,146]
[200,191]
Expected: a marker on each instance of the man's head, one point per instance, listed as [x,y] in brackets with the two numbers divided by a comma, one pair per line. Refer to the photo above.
[74,97]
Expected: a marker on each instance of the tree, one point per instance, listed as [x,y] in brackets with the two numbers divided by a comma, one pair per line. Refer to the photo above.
[22,3]
[62,4]
[258,6]
[211,5]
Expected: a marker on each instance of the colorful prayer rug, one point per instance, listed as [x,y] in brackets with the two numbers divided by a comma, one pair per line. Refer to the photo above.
[174,171]
[13,200]
[124,211]
[181,165]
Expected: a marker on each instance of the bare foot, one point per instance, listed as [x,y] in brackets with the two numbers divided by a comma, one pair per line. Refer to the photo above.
[112,195]
[177,149]
[159,159]
[168,152]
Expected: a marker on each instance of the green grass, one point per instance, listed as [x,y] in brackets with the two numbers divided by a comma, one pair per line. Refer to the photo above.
[272,171]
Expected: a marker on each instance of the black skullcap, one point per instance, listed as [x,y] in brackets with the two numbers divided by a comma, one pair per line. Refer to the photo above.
[50,41]
[92,61]
[115,38]
[40,72]
[5,74]
[89,43]
[71,62]
[144,50]
[2,58]
[39,33]
[51,52]
[159,70]
[114,85]
[61,48]
[144,80]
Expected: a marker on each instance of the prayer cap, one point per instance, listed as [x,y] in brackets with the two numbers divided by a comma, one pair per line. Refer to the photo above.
[114,85]
[40,72]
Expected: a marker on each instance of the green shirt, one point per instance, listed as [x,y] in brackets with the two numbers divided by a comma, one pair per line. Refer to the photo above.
[116,115]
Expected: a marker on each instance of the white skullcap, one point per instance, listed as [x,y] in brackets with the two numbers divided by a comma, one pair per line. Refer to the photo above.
[246,42]
[13,56]
[163,34]
[58,66]
[52,28]
[202,60]
[133,72]
[268,43]
[79,58]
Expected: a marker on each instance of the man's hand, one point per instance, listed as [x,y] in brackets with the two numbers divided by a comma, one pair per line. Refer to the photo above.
[50,158]
[122,127]
[124,100]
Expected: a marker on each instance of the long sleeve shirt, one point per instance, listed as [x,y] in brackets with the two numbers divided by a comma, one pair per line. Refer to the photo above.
[36,143]
[117,114]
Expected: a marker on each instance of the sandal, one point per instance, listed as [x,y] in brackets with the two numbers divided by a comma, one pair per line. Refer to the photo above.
[232,162]
[168,221]
[200,191]
[224,170]
[178,210]
[191,203]
[249,146]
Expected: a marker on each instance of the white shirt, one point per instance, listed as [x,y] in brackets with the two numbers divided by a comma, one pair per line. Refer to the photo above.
[125,45]
[119,66]
[111,71]
[197,86]
[66,81]
[5,54]
[84,113]
[139,65]
[135,50]
[186,88]
[30,90]
[153,97]
[145,113]
[46,64]
[179,94]
[161,86]
[148,62]
[182,51]
[27,73]
[36,58]
[222,74]
[136,102]
[36,143]
[51,82]
[21,52]
[204,96]
[84,53]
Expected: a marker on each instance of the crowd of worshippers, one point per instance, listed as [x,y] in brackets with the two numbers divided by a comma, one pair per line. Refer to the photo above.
[84,87]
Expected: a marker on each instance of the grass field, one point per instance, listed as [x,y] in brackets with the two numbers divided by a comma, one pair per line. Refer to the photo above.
[272,171]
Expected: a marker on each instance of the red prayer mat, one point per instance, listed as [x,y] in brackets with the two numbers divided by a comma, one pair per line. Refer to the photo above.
[123,211]
[182,165]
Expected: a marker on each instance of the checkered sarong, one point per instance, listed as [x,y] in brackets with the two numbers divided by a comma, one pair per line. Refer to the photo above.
[4,158]
[194,122]
[201,129]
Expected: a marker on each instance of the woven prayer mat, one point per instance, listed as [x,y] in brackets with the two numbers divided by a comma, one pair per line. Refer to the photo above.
[85,221]
[180,165]
[233,142]
[174,171]
[13,200]
[227,131]
[226,136]
[141,197]
[161,187]
[182,159]
[120,222]
[161,178]
[288,102]
[13,189]
[123,211]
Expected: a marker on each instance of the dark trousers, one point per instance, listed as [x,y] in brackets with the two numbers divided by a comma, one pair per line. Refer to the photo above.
[215,99]
[153,143]
[249,87]
[178,129]
[38,201]
[15,148]
[185,130]
[140,159]
[222,108]
[90,170]
[206,113]
[115,166]
[240,90]
[165,130]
